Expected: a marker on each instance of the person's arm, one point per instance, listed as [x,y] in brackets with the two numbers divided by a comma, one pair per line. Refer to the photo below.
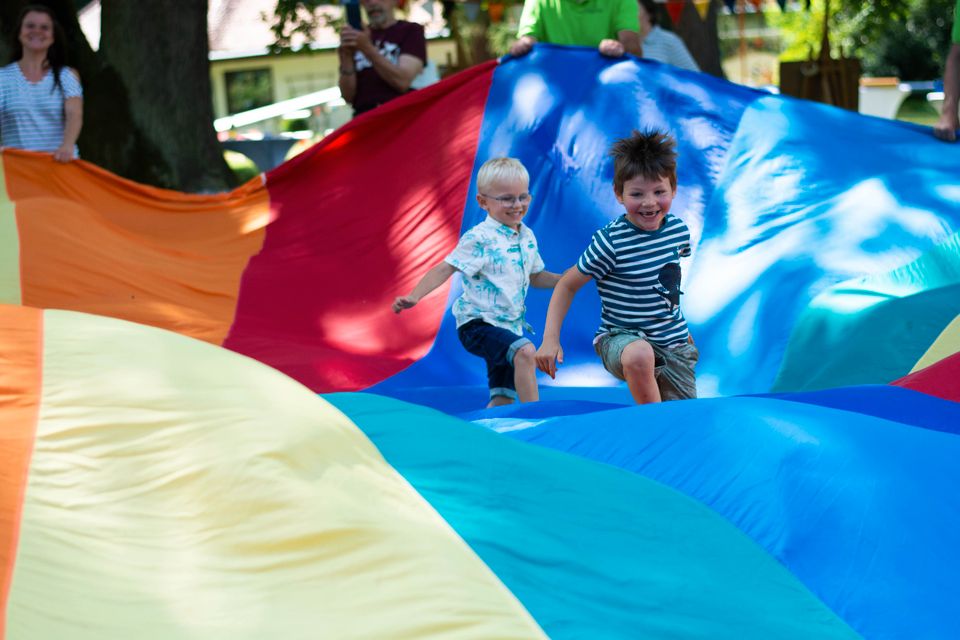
[72,123]
[631,43]
[626,25]
[544,279]
[528,29]
[946,127]
[550,351]
[348,73]
[430,281]
[399,76]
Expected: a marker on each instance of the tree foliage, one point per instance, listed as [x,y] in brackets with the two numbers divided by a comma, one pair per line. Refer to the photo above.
[904,38]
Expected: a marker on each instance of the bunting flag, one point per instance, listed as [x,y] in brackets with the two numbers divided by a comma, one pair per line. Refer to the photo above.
[675,9]
[731,5]
[703,7]
[783,4]
[153,479]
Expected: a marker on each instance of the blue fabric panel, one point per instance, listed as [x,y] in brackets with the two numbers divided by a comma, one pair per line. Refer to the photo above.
[558,110]
[812,196]
[863,510]
[887,402]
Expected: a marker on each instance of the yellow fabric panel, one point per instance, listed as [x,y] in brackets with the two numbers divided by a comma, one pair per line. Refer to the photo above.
[9,246]
[946,344]
[179,490]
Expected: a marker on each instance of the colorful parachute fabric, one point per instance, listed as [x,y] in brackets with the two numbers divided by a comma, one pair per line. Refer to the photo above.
[158,486]
[826,247]
[151,499]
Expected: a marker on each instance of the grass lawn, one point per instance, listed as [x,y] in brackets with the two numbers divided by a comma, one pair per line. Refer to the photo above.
[916,109]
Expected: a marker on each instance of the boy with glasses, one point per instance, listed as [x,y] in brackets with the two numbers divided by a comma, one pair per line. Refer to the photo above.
[635,260]
[499,260]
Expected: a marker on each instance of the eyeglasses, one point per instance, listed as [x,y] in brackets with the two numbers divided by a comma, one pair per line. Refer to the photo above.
[508,201]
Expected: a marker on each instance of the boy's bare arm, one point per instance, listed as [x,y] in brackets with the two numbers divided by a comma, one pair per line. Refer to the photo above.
[430,281]
[544,279]
[550,351]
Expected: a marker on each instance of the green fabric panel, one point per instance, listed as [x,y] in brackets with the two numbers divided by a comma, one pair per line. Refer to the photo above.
[873,330]
[591,551]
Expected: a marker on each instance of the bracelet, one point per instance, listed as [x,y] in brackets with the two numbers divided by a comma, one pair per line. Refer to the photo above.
[351,72]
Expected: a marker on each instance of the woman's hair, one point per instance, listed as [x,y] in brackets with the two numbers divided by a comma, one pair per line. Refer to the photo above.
[651,10]
[56,54]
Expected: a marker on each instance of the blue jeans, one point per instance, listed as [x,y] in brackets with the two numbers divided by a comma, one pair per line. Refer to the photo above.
[497,346]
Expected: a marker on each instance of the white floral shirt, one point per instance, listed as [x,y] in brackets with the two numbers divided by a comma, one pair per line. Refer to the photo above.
[496,263]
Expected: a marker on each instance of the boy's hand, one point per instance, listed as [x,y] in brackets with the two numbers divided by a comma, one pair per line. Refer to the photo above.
[403,302]
[548,355]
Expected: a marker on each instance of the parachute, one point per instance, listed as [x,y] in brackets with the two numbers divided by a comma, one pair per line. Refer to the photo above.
[157,484]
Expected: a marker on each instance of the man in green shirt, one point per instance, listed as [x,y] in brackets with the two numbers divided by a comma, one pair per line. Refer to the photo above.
[610,25]
[946,128]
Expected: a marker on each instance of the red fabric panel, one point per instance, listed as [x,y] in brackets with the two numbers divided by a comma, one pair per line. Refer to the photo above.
[357,220]
[941,379]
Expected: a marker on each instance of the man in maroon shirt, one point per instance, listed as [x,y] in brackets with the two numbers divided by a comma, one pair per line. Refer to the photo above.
[378,63]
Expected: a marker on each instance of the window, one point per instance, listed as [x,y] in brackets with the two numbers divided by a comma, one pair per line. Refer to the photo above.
[248,89]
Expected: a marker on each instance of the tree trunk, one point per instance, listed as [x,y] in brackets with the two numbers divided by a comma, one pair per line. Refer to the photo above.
[148,115]
[160,52]
[701,37]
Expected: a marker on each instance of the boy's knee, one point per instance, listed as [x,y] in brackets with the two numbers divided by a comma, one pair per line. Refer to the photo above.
[525,357]
[637,359]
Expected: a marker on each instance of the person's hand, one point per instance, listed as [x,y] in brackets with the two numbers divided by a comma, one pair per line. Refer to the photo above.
[611,48]
[548,355]
[403,302]
[64,153]
[946,128]
[523,46]
[355,39]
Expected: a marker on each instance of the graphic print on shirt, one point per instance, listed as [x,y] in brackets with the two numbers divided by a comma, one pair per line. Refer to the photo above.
[669,278]
[389,50]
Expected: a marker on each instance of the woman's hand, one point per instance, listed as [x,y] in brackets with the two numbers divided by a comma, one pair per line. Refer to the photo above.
[64,153]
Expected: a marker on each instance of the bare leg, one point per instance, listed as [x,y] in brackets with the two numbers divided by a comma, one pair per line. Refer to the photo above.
[637,360]
[499,401]
[525,373]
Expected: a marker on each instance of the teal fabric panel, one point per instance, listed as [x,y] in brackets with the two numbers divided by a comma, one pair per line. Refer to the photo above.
[591,551]
[874,329]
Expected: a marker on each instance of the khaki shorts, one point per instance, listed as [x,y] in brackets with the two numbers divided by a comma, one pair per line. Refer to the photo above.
[674,368]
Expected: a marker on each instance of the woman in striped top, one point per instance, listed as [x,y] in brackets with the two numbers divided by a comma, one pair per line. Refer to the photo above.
[635,260]
[41,101]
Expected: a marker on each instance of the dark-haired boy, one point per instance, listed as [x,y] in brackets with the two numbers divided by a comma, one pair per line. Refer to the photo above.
[635,260]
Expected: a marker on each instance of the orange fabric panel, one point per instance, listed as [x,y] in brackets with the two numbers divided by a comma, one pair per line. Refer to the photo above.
[21,356]
[91,241]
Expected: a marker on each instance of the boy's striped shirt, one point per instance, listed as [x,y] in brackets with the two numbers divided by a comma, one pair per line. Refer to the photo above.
[626,262]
